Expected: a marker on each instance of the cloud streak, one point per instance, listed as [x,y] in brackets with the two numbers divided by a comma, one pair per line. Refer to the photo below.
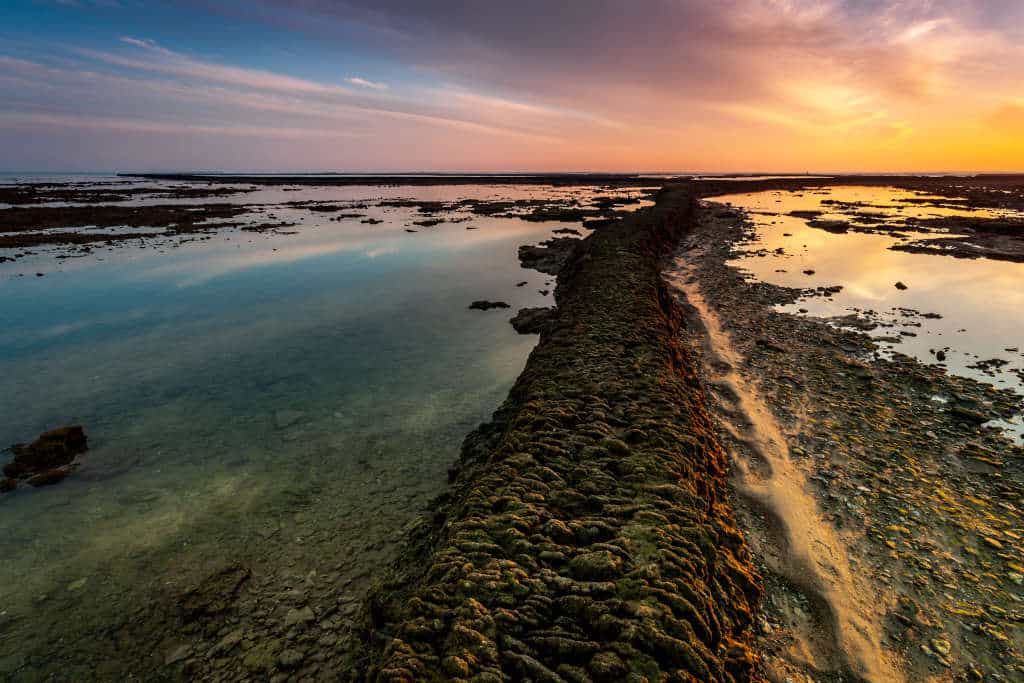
[363,83]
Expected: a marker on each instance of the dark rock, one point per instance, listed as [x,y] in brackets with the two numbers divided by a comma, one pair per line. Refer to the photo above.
[549,256]
[599,223]
[969,415]
[900,286]
[8,485]
[47,460]
[487,305]
[531,320]
[837,227]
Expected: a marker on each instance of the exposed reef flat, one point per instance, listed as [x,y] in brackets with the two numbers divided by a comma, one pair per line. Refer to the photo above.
[41,215]
[24,227]
[587,533]
[107,191]
[912,502]
[424,179]
[960,236]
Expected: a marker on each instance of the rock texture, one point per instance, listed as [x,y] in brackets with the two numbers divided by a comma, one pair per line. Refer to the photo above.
[587,534]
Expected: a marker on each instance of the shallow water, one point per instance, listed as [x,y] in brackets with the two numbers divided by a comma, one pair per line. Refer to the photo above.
[969,309]
[286,400]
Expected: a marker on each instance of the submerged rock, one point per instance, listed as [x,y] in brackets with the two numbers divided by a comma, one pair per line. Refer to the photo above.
[215,594]
[49,477]
[48,459]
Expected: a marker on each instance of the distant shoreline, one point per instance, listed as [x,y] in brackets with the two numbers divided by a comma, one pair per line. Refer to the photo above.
[707,184]
[405,179]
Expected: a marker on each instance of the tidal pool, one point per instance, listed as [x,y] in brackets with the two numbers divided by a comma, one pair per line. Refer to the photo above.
[288,401]
[957,312]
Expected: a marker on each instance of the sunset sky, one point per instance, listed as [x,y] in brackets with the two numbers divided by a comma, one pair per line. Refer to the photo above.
[541,85]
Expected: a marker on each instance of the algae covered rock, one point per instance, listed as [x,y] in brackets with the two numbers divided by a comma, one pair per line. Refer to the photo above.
[596,566]
[587,534]
[48,459]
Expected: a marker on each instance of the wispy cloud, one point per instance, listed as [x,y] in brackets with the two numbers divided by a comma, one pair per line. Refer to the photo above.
[363,83]
[161,60]
[126,125]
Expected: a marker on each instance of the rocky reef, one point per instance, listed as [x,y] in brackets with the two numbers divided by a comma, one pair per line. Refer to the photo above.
[587,533]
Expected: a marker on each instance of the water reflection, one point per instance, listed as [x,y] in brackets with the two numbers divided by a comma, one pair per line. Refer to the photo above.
[969,310]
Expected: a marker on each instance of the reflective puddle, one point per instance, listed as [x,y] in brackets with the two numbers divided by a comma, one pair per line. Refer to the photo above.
[963,313]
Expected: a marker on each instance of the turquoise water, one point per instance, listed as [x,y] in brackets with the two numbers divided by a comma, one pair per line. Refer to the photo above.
[280,400]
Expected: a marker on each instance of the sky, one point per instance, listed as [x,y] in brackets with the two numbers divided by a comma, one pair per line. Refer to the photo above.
[531,85]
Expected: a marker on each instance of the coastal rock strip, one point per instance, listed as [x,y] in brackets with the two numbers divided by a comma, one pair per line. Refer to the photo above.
[587,534]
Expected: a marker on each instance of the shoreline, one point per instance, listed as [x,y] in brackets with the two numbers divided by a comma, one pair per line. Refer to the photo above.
[587,533]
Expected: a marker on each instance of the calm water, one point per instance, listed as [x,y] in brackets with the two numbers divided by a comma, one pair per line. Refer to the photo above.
[980,301]
[280,399]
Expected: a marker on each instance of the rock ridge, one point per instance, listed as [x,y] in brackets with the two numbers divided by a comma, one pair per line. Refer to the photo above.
[587,533]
